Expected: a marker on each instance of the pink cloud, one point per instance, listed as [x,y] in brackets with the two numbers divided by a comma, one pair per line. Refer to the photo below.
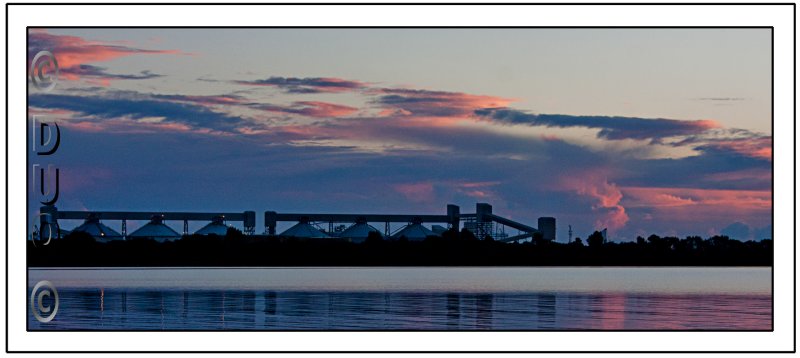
[550,137]
[416,192]
[50,113]
[681,197]
[300,132]
[760,147]
[73,51]
[690,205]
[393,112]
[477,190]
[130,126]
[324,109]
[427,104]
[656,198]
[705,124]
[607,196]
[72,179]
[314,109]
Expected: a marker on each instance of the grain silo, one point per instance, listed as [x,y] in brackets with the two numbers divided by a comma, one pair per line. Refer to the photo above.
[359,231]
[155,230]
[304,229]
[217,227]
[98,230]
[414,231]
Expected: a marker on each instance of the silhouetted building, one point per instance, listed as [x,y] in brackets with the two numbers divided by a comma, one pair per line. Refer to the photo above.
[547,226]
[438,229]
[414,232]
[304,230]
[98,230]
[217,226]
[359,231]
[156,230]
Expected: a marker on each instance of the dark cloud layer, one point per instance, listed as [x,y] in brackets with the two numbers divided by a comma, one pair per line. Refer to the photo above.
[138,108]
[89,71]
[613,128]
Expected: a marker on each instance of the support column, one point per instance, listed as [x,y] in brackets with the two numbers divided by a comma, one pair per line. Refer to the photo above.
[453,216]
[249,222]
[270,221]
[124,228]
[186,227]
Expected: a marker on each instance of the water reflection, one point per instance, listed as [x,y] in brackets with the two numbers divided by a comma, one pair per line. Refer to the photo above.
[483,311]
[453,310]
[270,303]
[112,309]
[546,314]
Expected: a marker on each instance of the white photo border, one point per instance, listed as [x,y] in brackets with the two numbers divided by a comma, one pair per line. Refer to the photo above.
[779,17]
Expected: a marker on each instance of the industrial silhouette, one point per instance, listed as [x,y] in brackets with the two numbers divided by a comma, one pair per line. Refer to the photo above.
[481,241]
[483,223]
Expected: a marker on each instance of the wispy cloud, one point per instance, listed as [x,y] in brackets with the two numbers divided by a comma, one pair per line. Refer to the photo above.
[97,74]
[759,147]
[740,141]
[228,99]
[316,109]
[425,103]
[717,201]
[306,85]
[720,99]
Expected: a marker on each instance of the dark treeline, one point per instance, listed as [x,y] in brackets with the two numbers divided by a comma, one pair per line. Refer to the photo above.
[452,249]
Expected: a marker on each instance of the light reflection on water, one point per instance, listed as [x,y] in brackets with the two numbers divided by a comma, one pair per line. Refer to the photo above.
[117,307]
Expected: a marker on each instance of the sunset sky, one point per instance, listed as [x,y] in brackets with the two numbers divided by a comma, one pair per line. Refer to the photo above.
[642,131]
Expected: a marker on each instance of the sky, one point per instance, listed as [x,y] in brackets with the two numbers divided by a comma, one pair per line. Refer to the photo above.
[640,131]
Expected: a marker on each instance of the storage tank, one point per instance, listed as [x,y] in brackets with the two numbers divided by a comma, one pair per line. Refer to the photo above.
[414,231]
[359,231]
[156,230]
[304,230]
[98,230]
[216,227]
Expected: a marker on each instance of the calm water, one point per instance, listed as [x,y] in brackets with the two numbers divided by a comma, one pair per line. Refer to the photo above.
[408,299]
